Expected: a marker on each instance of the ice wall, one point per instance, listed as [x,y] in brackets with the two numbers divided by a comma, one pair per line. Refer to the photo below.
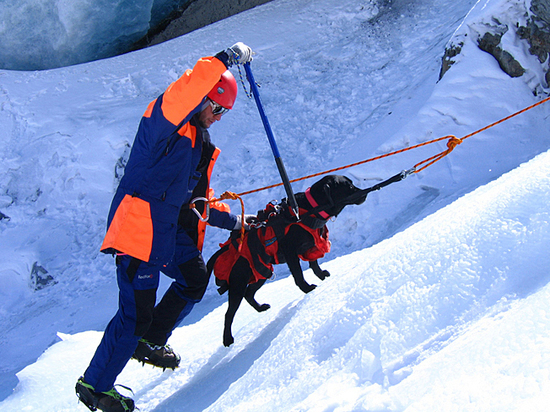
[43,34]
[46,34]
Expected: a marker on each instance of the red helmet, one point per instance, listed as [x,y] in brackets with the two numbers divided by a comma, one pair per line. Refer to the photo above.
[225,91]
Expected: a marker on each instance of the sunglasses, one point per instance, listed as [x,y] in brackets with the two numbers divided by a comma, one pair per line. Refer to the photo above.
[217,108]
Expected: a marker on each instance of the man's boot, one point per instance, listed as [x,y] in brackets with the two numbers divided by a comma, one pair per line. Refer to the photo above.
[110,401]
[156,355]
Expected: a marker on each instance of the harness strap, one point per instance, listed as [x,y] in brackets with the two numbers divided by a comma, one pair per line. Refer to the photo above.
[314,203]
[259,256]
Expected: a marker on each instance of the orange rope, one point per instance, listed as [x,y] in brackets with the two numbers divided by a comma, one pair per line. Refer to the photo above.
[453,141]
[451,144]
[233,196]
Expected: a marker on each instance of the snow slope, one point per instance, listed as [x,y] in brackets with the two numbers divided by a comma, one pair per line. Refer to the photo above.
[430,282]
[450,314]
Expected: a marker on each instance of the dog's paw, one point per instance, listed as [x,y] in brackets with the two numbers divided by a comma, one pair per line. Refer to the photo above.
[263,308]
[307,288]
[228,340]
[323,275]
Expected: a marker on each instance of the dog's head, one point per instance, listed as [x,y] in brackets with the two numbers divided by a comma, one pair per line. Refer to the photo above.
[334,192]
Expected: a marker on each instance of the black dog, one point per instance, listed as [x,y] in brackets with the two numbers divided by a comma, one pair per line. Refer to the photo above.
[281,238]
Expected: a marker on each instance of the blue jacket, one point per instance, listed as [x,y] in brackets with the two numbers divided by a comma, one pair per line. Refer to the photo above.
[161,173]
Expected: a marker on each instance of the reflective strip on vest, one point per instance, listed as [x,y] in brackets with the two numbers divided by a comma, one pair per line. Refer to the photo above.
[182,96]
[131,230]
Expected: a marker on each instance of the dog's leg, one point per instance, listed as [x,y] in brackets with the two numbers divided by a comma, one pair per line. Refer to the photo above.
[320,273]
[293,262]
[238,281]
[251,292]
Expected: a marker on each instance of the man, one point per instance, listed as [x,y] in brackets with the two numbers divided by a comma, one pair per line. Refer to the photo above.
[151,228]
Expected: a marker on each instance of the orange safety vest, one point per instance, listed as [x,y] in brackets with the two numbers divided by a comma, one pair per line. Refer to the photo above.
[260,248]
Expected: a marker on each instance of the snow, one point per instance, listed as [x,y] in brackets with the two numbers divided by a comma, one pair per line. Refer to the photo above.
[439,287]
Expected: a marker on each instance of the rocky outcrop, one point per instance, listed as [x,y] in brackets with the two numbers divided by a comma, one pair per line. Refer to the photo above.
[194,15]
[536,32]
[447,61]
[491,44]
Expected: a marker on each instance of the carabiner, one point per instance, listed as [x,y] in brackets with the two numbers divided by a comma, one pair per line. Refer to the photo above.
[207,207]
[407,173]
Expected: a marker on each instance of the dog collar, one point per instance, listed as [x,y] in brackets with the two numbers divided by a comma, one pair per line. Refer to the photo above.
[313,203]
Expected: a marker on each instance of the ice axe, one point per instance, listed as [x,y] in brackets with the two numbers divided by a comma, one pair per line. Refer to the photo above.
[271,138]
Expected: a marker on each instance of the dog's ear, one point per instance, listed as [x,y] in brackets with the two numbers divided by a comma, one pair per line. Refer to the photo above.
[318,189]
[327,192]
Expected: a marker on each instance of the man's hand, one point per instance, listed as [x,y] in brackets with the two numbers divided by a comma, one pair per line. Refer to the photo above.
[239,53]
[247,220]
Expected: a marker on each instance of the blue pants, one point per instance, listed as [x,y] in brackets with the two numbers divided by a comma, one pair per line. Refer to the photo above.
[137,315]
